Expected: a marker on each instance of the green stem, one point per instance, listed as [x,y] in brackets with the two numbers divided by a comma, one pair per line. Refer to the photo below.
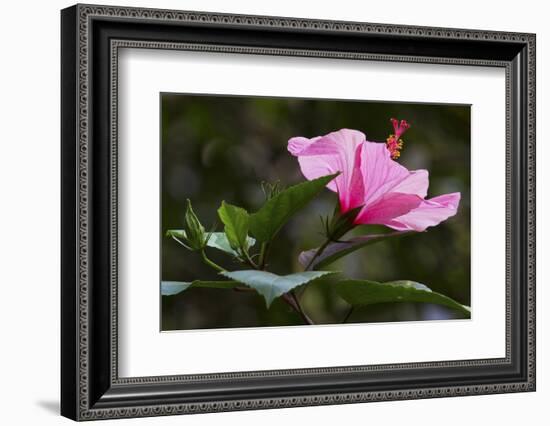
[248,260]
[348,315]
[264,250]
[291,299]
[210,263]
[318,253]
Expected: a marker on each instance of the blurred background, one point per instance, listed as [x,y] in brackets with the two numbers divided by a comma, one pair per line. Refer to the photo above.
[218,148]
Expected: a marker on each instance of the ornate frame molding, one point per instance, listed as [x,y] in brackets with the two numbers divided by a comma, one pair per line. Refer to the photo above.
[87,403]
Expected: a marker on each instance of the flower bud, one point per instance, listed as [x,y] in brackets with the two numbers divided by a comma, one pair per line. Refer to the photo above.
[195,236]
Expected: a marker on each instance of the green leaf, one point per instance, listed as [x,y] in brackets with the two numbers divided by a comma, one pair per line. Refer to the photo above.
[170,288]
[362,292]
[336,250]
[217,240]
[220,241]
[267,221]
[270,285]
[235,220]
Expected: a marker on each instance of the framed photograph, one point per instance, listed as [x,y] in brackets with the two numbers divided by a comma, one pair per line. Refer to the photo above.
[263,212]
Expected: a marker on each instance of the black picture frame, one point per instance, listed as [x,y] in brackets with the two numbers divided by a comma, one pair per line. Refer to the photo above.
[90,386]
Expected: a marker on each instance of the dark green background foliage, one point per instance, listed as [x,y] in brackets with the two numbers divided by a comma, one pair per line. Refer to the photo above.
[218,148]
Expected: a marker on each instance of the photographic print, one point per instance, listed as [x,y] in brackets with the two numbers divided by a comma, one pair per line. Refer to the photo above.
[286,211]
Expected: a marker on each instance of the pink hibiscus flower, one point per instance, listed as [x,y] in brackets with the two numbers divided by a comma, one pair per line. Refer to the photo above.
[370,178]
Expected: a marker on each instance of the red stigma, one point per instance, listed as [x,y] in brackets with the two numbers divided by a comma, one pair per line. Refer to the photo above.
[394,143]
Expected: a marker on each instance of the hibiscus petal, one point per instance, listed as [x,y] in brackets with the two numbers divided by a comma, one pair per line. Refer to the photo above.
[388,207]
[353,194]
[429,213]
[299,143]
[336,152]
[416,183]
[380,173]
